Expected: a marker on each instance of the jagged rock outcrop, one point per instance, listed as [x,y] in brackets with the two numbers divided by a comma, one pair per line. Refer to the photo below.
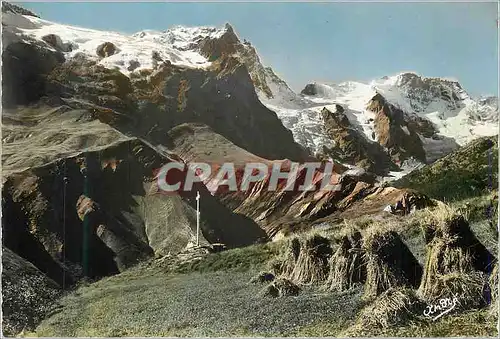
[393,132]
[309,89]
[25,67]
[415,118]
[152,102]
[11,8]
[106,49]
[281,212]
[423,91]
[268,86]
[224,45]
[55,41]
[228,44]
[352,147]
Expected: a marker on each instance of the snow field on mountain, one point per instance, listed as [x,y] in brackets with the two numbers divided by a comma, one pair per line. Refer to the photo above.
[460,120]
[178,45]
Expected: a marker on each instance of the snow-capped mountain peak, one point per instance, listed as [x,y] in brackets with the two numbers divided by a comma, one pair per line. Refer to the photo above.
[438,110]
[142,50]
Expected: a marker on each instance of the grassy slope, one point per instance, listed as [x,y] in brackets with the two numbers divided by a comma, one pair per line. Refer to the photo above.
[472,324]
[214,298]
[470,171]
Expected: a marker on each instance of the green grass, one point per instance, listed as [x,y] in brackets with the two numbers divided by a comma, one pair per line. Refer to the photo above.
[477,323]
[221,303]
[470,171]
[239,259]
[478,208]
[213,297]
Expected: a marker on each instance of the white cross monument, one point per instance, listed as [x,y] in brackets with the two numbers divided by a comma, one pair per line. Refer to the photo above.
[197,218]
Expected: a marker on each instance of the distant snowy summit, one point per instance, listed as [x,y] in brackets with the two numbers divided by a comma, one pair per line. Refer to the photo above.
[443,102]
[415,119]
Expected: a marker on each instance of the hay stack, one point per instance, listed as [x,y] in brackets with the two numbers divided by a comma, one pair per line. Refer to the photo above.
[396,306]
[283,265]
[389,262]
[452,244]
[456,261]
[469,289]
[281,288]
[311,265]
[346,264]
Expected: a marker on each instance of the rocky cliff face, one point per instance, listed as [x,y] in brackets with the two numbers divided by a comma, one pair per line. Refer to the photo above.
[100,212]
[151,102]
[11,8]
[393,133]
[423,92]
[350,146]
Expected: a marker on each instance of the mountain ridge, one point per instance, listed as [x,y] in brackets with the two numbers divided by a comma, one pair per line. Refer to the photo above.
[90,118]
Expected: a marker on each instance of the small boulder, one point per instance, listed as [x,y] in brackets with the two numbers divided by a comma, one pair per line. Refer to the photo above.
[156,56]
[157,59]
[310,89]
[85,206]
[262,277]
[106,49]
[52,39]
[133,65]
[281,288]
[55,41]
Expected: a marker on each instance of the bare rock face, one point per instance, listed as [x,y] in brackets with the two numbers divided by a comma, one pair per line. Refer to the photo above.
[279,212]
[11,8]
[422,91]
[351,146]
[214,48]
[55,41]
[310,89]
[106,49]
[25,68]
[85,206]
[134,64]
[99,210]
[230,45]
[153,101]
[394,133]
